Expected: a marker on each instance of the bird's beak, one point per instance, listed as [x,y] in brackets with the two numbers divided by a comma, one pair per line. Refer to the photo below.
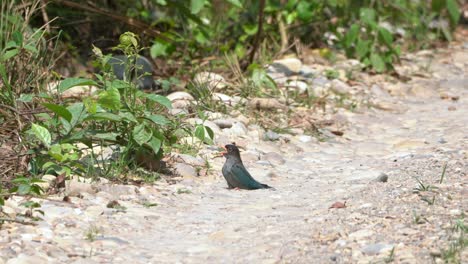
[221,153]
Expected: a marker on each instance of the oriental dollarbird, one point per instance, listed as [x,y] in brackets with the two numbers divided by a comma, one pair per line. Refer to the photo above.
[236,174]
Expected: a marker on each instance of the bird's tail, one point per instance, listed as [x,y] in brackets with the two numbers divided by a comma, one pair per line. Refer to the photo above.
[266,186]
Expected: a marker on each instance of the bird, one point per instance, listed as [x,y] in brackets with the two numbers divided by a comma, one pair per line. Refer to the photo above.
[236,175]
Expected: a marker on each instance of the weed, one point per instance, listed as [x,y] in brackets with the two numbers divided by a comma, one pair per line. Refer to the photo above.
[422,187]
[149,204]
[182,190]
[418,218]
[391,256]
[452,254]
[443,173]
[92,233]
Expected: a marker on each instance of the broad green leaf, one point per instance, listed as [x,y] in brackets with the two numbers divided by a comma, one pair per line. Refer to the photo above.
[42,134]
[386,36]
[104,116]
[9,54]
[351,35]
[140,135]
[437,5]
[200,132]
[18,38]
[162,100]
[454,11]
[250,29]
[26,98]
[59,110]
[90,104]
[24,189]
[110,99]
[362,48]
[236,3]
[196,6]
[2,201]
[367,15]
[158,119]
[10,44]
[210,132]
[78,113]
[377,62]
[72,82]
[31,49]
[128,116]
[304,10]
[118,84]
[155,144]
[105,136]
[159,49]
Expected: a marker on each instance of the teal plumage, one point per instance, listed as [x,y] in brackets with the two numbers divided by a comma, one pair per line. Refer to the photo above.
[236,174]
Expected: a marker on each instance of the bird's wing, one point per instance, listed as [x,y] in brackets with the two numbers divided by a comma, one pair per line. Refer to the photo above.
[242,176]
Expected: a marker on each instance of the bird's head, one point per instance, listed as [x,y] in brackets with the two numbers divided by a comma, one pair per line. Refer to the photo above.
[231,150]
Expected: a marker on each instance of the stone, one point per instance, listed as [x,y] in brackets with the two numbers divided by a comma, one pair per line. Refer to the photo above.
[389,106]
[48,181]
[287,66]
[305,138]
[237,129]
[375,249]
[74,187]
[191,160]
[79,91]
[274,158]
[300,86]
[340,87]
[178,111]
[223,123]
[361,234]
[226,99]
[271,136]
[180,96]
[382,177]
[207,123]
[11,212]
[266,104]
[422,89]
[142,74]
[210,80]
[185,170]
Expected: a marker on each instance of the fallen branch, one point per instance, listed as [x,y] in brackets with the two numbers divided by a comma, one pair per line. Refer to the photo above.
[145,28]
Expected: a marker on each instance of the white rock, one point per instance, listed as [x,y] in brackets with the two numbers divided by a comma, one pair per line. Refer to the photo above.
[299,86]
[226,99]
[237,129]
[209,79]
[179,96]
[11,212]
[288,65]
[74,187]
[305,138]
[191,160]
[224,123]
[185,170]
[340,87]
[74,92]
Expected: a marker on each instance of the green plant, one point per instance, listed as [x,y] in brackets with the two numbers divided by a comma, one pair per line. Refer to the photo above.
[92,233]
[182,190]
[422,187]
[391,256]
[444,169]
[452,254]
[120,115]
